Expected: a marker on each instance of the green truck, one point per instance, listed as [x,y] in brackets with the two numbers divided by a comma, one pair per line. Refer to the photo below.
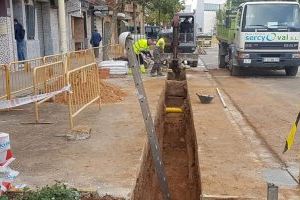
[259,34]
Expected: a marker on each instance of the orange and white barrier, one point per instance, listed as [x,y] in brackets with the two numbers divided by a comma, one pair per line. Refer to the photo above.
[6,104]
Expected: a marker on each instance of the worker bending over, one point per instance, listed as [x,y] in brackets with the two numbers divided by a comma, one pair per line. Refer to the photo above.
[142,46]
[158,50]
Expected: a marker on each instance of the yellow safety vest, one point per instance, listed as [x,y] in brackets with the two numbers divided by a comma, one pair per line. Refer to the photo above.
[140,45]
[161,43]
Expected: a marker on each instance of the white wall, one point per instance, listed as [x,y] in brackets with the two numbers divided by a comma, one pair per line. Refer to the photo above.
[188,8]
[199,15]
[210,21]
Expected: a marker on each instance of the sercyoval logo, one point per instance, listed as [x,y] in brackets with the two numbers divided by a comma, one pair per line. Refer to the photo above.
[269,37]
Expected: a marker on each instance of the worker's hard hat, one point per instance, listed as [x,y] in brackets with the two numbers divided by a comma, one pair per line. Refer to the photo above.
[123,37]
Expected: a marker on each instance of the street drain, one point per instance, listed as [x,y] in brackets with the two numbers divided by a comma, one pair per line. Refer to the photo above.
[177,139]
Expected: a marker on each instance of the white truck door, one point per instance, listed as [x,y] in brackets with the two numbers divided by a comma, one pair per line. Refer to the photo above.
[237,32]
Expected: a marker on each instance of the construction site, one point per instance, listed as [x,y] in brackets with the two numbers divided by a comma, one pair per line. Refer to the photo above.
[211,127]
[221,153]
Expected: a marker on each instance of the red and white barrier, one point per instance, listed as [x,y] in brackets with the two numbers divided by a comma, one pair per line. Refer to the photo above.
[7,175]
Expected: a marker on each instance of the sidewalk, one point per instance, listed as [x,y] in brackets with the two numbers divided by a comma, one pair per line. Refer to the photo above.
[109,159]
[229,164]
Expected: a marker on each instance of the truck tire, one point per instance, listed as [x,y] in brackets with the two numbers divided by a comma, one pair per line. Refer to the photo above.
[235,71]
[222,63]
[291,71]
[222,54]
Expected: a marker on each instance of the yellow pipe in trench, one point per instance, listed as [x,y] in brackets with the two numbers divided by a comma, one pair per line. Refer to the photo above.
[173,110]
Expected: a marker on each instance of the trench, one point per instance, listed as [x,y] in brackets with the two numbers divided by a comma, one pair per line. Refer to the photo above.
[177,140]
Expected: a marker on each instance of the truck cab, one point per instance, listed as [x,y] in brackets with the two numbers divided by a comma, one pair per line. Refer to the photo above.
[261,34]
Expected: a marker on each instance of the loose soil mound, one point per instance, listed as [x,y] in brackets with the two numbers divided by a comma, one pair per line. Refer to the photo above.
[109,93]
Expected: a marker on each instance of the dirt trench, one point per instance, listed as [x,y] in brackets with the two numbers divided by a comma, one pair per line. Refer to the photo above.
[177,138]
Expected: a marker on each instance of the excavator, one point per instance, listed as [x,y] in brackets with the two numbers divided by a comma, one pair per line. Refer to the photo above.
[181,40]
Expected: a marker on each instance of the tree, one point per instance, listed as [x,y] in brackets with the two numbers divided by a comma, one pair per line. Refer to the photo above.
[116,6]
[162,11]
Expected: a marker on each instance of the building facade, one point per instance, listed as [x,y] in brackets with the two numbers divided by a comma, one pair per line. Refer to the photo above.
[210,16]
[41,23]
[7,41]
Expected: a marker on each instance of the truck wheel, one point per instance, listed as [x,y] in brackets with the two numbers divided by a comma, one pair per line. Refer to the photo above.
[222,54]
[222,63]
[291,71]
[194,64]
[235,71]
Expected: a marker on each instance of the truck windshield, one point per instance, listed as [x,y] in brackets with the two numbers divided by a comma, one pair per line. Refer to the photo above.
[271,16]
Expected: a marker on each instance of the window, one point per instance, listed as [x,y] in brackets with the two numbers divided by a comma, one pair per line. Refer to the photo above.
[30,21]
[239,15]
[272,16]
[54,4]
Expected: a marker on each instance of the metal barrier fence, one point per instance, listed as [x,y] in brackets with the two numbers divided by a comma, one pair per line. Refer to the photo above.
[108,52]
[80,58]
[85,84]
[3,81]
[53,58]
[115,51]
[20,77]
[89,56]
[52,73]
[46,79]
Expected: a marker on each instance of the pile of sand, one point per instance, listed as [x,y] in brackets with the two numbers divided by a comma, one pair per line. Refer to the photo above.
[109,93]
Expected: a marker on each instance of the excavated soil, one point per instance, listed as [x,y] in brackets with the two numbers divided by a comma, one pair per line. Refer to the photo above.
[176,135]
[109,93]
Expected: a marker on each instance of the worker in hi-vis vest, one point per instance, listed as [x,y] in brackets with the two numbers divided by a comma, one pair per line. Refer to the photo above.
[158,50]
[142,46]
[161,43]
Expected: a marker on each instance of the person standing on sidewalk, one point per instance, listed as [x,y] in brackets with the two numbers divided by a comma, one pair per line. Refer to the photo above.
[19,37]
[95,42]
[158,50]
